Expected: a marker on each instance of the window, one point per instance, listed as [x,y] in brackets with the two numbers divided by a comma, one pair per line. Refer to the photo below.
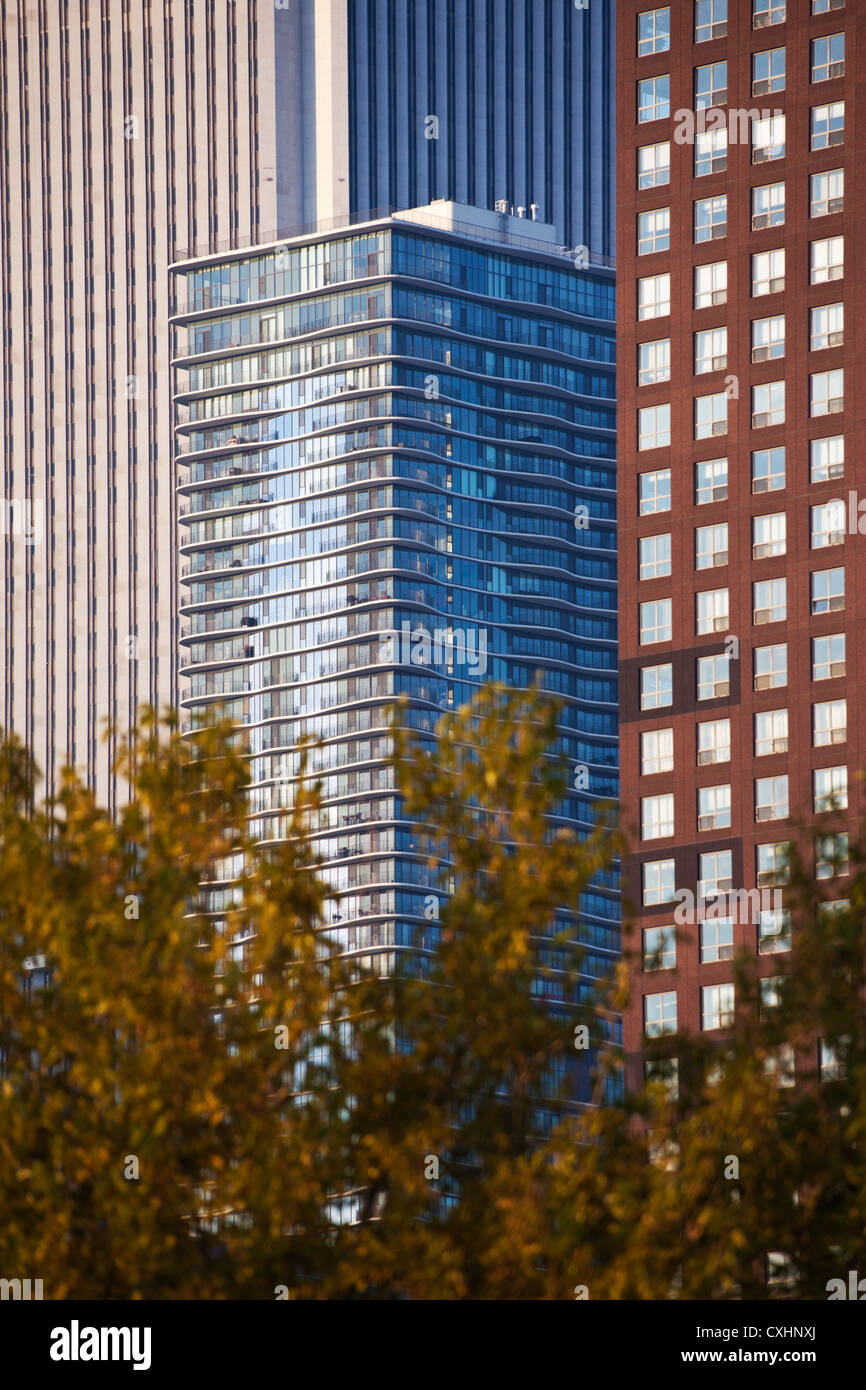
[653,231]
[766,12]
[771,733]
[826,458]
[768,139]
[711,608]
[772,864]
[714,807]
[656,686]
[828,57]
[768,71]
[827,126]
[658,882]
[827,392]
[770,666]
[827,193]
[826,326]
[711,481]
[654,361]
[711,415]
[769,601]
[653,296]
[774,931]
[768,404]
[655,621]
[781,1064]
[831,1066]
[713,677]
[711,85]
[768,469]
[828,591]
[714,742]
[711,20]
[654,426]
[711,218]
[654,554]
[830,789]
[771,797]
[711,350]
[653,31]
[654,491]
[768,272]
[828,657]
[715,873]
[654,98]
[717,940]
[717,1006]
[711,152]
[826,260]
[660,1013]
[827,524]
[831,855]
[659,948]
[711,284]
[824,6]
[829,723]
[769,535]
[768,338]
[768,206]
[657,817]
[711,546]
[656,751]
[654,165]
[664,1072]
[770,992]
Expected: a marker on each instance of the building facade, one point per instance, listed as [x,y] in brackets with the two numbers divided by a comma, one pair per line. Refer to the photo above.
[134,132]
[741,342]
[395,458]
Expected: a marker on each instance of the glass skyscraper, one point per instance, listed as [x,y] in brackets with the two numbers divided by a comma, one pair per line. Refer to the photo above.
[395,451]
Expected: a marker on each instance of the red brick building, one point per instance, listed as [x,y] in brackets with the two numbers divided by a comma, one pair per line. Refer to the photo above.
[742,334]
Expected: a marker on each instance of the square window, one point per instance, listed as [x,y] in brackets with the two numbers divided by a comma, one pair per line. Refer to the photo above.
[715,873]
[768,206]
[711,285]
[781,1064]
[711,546]
[713,677]
[717,1006]
[769,535]
[711,20]
[770,666]
[828,591]
[772,863]
[654,491]
[831,1063]
[826,326]
[770,992]
[654,165]
[711,350]
[711,481]
[654,427]
[711,415]
[654,556]
[659,948]
[827,126]
[829,723]
[711,85]
[768,338]
[657,817]
[714,742]
[658,882]
[827,524]
[768,404]
[656,686]
[771,733]
[714,807]
[828,57]
[831,856]
[654,98]
[654,362]
[712,611]
[656,751]
[653,31]
[711,152]
[654,296]
[769,601]
[768,272]
[660,1013]
[664,1072]
[826,260]
[826,458]
[828,657]
[774,931]
[827,392]
[653,231]
[768,139]
[711,218]
[655,621]
[717,940]
[830,789]
[768,72]
[771,798]
[766,12]
[768,469]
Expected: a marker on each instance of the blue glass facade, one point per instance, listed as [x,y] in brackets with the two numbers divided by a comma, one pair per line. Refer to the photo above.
[396,470]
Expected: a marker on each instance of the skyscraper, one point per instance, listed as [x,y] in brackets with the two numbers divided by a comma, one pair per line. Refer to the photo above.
[395,451]
[739,428]
[132,133]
